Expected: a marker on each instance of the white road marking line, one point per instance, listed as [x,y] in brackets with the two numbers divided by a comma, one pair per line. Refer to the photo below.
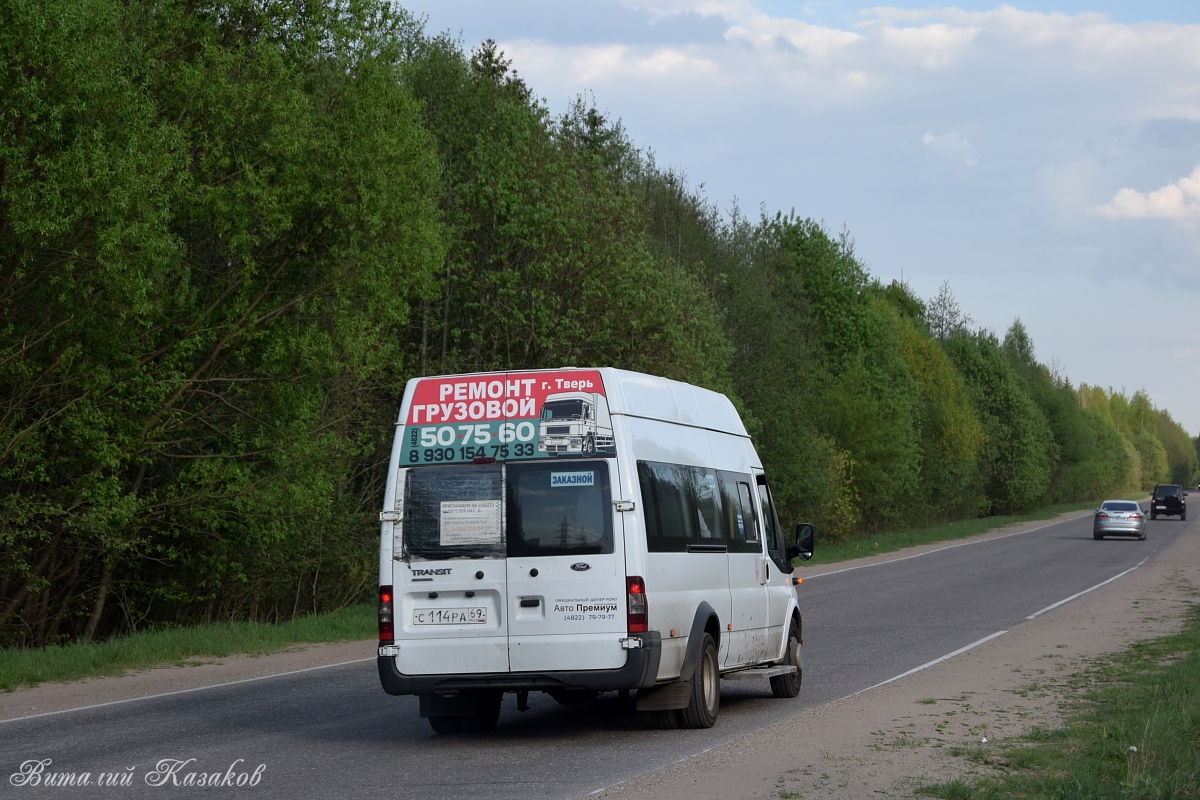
[946,657]
[1085,591]
[186,691]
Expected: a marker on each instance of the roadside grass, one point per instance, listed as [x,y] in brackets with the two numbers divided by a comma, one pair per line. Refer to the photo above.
[833,552]
[179,647]
[1133,731]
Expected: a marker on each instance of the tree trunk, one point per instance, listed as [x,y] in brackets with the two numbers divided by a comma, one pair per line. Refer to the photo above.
[89,633]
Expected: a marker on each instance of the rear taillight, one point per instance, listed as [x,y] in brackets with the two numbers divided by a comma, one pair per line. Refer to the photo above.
[387,630]
[1135,516]
[1102,515]
[637,604]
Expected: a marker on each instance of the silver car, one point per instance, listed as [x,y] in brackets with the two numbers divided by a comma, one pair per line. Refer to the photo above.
[1119,518]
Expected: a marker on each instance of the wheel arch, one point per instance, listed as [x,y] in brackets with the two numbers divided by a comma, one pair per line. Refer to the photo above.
[705,621]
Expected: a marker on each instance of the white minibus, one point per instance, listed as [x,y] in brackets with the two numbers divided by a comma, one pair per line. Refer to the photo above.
[650,561]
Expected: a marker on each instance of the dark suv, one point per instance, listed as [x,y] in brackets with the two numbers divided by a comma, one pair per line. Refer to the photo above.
[1169,499]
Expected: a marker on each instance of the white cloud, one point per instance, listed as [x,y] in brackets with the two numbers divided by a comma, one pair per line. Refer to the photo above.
[707,8]
[592,66]
[1179,200]
[932,46]
[952,147]
[812,41]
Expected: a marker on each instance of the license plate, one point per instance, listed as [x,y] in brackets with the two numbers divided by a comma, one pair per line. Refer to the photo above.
[450,616]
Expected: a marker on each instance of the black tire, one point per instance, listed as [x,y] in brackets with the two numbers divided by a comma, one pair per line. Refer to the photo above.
[789,685]
[1183,517]
[1142,538]
[663,720]
[487,711]
[1097,535]
[1153,515]
[569,698]
[705,702]
[589,445]
[446,724]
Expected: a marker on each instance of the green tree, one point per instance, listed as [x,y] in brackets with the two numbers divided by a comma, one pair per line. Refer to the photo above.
[1016,462]
[214,214]
[1089,458]
[951,436]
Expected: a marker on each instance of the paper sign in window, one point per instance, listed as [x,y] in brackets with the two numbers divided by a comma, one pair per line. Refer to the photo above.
[558,479]
[467,522]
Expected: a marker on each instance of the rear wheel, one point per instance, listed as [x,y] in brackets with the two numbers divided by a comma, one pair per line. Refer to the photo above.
[789,685]
[487,711]
[568,697]
[446,724]
[1097,535]
[663,720]
[705,702]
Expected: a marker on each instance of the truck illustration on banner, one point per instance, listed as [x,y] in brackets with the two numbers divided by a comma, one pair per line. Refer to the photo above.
[575,422]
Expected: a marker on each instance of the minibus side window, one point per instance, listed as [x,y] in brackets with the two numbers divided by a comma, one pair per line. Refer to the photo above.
[666,507]
[703,483]
[682,506]
[740,518]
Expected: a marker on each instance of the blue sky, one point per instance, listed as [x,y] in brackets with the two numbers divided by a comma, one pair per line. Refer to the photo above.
[1042,158]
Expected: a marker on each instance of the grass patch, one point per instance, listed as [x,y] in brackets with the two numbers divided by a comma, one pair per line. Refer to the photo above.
[179,647]
[1133,732]
[832,552]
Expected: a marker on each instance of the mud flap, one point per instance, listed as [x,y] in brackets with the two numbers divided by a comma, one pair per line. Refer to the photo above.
[665,697]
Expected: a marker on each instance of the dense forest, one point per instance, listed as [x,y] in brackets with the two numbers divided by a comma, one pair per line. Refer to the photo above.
[230,230]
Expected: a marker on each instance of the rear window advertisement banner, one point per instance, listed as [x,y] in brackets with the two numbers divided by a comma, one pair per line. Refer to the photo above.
[508,417]
[470,522]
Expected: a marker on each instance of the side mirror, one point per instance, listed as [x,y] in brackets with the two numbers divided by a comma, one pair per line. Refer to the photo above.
[804,542]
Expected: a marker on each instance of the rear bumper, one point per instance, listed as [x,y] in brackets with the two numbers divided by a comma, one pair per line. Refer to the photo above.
[640,672]
[1119,530]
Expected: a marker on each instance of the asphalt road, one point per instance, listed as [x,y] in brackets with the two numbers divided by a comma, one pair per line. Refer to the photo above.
[334,733]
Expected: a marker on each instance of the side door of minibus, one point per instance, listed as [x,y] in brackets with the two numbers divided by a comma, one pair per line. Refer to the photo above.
[747,576]
[779,586]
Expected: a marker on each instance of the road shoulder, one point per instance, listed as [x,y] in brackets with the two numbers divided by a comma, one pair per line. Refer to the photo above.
[199,673]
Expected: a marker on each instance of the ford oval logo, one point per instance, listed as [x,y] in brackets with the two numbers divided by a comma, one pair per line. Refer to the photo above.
[581,567]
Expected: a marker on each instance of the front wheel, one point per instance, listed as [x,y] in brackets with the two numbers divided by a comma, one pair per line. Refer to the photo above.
[705,702]
[789,685]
